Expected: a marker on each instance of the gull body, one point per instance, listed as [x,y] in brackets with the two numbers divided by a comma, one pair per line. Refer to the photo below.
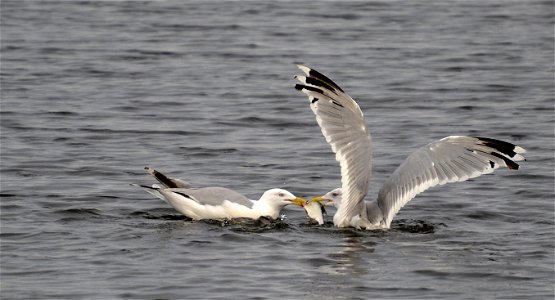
[450,159]
[218,202]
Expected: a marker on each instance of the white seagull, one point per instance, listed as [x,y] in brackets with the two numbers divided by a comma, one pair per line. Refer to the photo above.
[218,202]
[451,159]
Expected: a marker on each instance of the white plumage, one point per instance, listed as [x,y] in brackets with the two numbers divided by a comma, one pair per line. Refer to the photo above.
[218,202]
[451,159]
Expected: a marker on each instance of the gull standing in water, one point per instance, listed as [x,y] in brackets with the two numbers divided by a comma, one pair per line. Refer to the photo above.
[218,202]
[451,159]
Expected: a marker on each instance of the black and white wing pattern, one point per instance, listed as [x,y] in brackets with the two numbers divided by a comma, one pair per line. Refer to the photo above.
[451,159]
[167,181]
[343,126]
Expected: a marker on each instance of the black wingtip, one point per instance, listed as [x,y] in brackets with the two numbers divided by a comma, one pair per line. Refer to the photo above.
[163,179]
[144,186]
[324,78]
[300,87]
[510,164]
[184,195]
[320,83]
[501,146]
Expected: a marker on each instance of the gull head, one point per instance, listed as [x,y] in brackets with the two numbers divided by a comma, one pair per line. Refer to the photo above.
[281,197]
[331,198]
[315,207]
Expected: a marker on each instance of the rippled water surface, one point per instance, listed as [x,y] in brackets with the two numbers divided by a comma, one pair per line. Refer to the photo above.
[93,91]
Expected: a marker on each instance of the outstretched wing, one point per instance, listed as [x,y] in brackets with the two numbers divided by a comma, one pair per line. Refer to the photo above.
[451,159]
[343,126]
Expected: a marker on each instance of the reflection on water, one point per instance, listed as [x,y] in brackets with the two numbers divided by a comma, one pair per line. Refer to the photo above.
[354,255]
[350,259]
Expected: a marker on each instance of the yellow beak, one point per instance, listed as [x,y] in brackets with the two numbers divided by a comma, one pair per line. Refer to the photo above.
[298,201]
[317,199]
[321,200]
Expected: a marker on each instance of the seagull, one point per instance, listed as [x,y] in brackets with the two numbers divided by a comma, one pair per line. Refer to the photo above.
[450,159]
[218,202]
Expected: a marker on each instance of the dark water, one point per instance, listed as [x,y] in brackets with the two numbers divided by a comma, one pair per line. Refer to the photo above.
[92,91]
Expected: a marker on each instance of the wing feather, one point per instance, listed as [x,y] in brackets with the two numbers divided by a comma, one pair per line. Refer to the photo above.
[212,195]
[342,124]
[167,181]
[451,159]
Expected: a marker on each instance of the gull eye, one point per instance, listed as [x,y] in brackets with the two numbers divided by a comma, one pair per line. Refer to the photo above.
[334,194]
[281,194]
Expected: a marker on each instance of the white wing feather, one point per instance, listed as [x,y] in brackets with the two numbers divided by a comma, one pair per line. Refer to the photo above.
[451,159]
[342,124]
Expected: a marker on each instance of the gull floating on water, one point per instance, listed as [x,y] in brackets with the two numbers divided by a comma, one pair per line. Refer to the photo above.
[451,159]
[218,202]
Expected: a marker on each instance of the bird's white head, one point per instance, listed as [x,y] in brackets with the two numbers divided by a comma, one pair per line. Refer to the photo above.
[331,198]
[281,197]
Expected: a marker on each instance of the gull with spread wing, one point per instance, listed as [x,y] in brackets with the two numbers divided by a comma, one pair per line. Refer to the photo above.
[451,159]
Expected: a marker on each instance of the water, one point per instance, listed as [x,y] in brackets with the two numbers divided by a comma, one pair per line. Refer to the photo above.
[94,91]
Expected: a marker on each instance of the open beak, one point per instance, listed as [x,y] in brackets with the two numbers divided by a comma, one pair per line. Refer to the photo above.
[298,201]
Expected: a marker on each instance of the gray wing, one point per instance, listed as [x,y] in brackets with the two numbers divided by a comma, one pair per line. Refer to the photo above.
[451,159]
[342,124]
[213,195]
